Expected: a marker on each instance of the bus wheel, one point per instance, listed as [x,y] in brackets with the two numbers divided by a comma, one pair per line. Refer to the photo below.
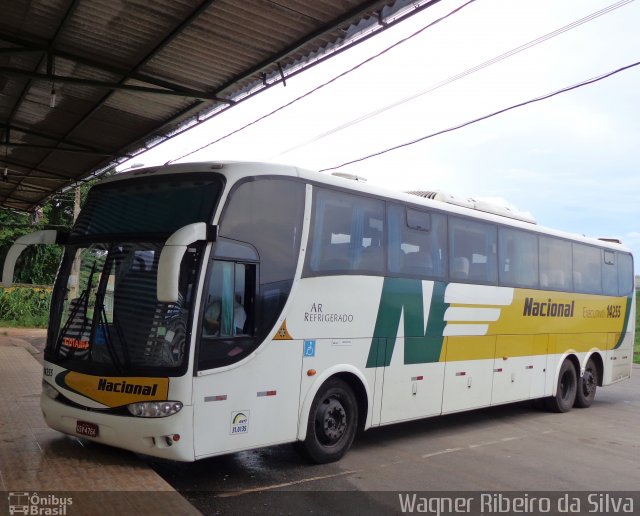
[587,386]
[333,420]
[566,392]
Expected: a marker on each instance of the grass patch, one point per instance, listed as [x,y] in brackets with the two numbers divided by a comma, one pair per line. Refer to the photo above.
[26,322]
[25,306]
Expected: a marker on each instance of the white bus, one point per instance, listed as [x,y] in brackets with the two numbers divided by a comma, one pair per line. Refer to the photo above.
[202,309]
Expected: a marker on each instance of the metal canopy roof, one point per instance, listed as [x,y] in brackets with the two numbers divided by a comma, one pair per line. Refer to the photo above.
[86,84]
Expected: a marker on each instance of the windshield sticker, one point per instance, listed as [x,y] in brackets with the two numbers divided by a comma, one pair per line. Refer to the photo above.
[75,343]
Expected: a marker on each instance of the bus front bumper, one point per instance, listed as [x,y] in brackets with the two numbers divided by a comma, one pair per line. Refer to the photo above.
[166,437]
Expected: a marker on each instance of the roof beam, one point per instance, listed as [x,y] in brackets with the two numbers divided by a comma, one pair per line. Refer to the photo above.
[34,46]
[25,187]
[51,77]
[54,138]
[49,147]
[28,170]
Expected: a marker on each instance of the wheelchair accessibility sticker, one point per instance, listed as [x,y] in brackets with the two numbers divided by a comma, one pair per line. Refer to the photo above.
[309,348]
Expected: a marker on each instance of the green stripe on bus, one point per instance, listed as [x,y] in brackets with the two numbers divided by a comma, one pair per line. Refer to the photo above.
[402,295]
[625,325]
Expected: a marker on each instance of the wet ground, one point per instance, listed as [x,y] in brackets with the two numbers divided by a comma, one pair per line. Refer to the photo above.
[512,448]
[509,448]
[32,339]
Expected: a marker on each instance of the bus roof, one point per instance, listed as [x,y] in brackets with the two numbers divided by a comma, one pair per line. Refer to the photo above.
[236,170]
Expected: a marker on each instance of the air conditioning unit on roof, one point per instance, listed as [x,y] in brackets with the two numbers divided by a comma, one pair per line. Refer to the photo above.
[474,204]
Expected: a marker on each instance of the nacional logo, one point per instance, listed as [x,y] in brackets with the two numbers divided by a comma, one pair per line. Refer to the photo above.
[547,308]
[114,391]
[239,422]
[128,388]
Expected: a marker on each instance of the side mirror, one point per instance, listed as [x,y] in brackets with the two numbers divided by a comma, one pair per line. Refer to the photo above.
[171,257]
[46,236]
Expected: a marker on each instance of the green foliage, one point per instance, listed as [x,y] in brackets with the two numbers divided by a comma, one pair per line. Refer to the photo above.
[38,264]
[25,306]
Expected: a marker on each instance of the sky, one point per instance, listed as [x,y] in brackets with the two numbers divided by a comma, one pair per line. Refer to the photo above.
[571,161]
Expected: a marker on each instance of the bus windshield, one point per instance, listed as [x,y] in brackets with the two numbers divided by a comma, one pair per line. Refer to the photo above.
[108,320]
[142,207]
[105,316]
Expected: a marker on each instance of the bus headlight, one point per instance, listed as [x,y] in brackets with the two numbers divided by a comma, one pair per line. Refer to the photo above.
[154,408]
[49,390]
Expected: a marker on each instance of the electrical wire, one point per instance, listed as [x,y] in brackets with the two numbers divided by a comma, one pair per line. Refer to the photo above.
[484,117]
[463,74]
[330,81]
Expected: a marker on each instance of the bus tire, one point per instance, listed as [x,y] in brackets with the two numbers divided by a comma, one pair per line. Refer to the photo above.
[566,392]
[332,424]
[587,386]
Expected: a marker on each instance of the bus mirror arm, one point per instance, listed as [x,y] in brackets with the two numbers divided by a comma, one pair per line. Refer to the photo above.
[171,257]
[45,236]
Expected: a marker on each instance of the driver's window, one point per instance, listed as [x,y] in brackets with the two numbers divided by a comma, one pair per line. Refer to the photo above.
[228,300]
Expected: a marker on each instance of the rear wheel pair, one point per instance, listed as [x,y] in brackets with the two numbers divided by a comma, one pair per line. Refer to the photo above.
[574,391]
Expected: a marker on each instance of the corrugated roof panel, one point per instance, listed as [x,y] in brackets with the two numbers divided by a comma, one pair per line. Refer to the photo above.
[147,105]
[232,37]
[97,55]
[37,18]
[64,163]
[121,32]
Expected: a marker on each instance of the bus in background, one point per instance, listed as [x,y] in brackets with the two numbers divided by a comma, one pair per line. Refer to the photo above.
[207,308]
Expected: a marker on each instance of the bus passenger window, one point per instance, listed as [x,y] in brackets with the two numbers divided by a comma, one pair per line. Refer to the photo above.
[347,234]
[556,270]
[417,242]
[587,269]
[473,247]
[625,274]
[518,258]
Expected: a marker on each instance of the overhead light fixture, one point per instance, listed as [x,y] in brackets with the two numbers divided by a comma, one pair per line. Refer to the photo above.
[5,175]
[52,99]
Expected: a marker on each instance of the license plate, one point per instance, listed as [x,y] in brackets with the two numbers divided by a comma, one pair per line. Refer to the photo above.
[88,429]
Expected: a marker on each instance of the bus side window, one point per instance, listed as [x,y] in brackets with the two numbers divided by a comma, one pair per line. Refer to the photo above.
[417,242]
[556,265]
[625,274]
[229,300]
[518,258]
[587,269]
[473,248]
[266,216]
[347,234]
[228,315]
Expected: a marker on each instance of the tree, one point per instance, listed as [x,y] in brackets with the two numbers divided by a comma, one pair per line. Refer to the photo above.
[38,264]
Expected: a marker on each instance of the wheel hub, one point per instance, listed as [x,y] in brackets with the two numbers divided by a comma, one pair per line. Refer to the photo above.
[333,419]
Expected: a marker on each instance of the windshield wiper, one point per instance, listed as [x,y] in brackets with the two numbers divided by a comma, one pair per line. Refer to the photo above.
[100,316]
[102,323]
